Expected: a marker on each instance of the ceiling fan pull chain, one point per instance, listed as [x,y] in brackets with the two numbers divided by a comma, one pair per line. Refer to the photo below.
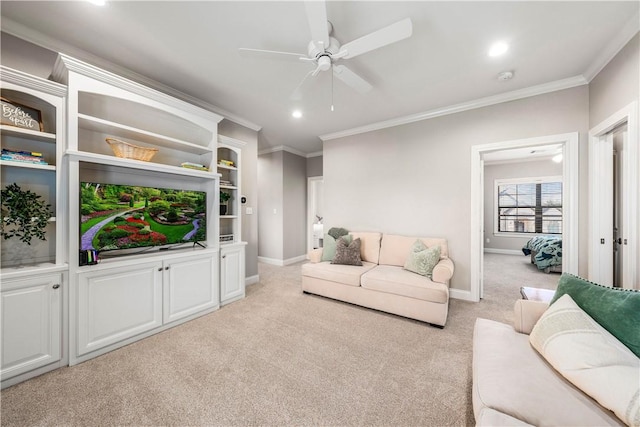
[332,89]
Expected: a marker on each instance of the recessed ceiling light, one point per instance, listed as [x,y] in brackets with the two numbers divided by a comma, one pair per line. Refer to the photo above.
[498,49]
[297,114]
[98,2]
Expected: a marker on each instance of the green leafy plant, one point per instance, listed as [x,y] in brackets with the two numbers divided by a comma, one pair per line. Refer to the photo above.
[224,197]
[24,214]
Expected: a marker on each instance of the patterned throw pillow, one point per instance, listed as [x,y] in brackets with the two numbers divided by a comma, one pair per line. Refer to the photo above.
[347,253]
[329,246]
[421,259]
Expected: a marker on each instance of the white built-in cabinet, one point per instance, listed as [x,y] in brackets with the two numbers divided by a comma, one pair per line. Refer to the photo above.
[55,311]
[33,277]
[126,298]
[232,248]
[232,275]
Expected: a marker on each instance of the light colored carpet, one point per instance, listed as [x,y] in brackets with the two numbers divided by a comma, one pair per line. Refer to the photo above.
[280,357]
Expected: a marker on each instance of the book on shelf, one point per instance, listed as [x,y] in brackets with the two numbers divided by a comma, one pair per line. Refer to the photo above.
[195,166]
[23,159]
[224,162]
[226,237]
[21,152]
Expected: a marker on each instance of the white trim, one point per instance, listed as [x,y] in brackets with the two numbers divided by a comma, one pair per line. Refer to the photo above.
[33,36]
[251,280]
[615,45]
[227,140]
[461,295]
[314,154]
[282,262]
[465,106]
[570,179]
[282,148]
[628,114]
[502,251]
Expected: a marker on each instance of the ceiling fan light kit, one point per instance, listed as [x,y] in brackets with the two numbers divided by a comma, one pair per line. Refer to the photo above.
[324,51]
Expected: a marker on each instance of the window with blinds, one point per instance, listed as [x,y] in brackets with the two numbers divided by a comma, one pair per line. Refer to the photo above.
[529,207]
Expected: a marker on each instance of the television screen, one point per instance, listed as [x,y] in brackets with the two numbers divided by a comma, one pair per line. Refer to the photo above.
[116,217]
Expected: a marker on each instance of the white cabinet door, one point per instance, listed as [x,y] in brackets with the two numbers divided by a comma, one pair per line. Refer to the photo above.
[231,273]
[190,286]
[31,318]
[118,303]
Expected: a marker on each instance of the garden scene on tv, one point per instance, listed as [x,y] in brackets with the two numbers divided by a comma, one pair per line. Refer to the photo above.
[116,217]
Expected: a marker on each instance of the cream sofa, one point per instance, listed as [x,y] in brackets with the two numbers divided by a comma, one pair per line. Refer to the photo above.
[381,282]
[514,386]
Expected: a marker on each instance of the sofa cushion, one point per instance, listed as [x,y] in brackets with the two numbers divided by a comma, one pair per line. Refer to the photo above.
[394,248]
[421,259]
[509,376]
[616,310]
[345,274]
[369,245]
[329,246]
[590,358]
[347,253]
[396,280]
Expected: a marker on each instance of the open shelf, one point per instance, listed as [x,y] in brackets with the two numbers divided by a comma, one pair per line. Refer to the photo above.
[31,134]
[123,131]
[27,165]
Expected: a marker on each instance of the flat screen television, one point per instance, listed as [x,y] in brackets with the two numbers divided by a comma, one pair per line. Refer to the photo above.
[129,218]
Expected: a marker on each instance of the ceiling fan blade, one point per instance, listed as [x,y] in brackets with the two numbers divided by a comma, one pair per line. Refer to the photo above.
[297,93]
[385,36]
[271,54]
[317,17]
[351,79]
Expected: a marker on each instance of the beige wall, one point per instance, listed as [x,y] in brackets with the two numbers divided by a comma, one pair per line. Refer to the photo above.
[414,179]
[270,200]
[314,166]
[530,169]
[294,181]
[617,85]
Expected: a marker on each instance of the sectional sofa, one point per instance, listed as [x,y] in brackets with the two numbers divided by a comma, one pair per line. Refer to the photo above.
[381,282]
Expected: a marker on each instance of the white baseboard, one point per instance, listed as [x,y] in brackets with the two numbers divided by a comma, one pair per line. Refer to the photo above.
[282,262]
[252,280]
[503,251]
[460,294]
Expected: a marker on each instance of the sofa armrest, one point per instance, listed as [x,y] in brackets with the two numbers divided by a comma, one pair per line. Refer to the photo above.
[315,255]
[526,314]
[443,271]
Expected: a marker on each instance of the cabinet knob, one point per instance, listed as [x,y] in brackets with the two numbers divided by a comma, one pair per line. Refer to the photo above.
[224,256]
[160,269]
[56,286]
[166,268]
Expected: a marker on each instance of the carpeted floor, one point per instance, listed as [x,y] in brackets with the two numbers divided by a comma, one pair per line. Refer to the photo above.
[280,357]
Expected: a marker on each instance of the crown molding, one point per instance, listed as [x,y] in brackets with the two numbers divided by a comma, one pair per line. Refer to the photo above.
[615,45]
[314,154]
[21,78]
[227,140]
[33,36]
[465,106]
[283,148]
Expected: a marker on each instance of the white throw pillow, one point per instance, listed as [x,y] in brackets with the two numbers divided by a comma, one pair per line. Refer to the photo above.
[589,357]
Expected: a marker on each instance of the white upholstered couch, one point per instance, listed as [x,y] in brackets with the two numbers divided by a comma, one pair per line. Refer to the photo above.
[381,282]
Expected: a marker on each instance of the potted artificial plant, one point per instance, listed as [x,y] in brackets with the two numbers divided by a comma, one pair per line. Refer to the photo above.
[224,198]
[23,215]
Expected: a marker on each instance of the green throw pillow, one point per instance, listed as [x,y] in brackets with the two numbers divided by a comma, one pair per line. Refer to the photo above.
[337,232]
[422,259]
[617,310]
[329,246]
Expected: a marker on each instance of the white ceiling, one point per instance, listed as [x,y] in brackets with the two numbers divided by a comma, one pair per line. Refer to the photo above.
[192,47]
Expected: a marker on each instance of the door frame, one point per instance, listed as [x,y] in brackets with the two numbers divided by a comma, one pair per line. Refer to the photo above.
[570,178]
[311,197]
[628,115]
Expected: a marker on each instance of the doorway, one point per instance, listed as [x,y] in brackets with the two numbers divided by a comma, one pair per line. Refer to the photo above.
[613,205]
[315,226]
[568,144]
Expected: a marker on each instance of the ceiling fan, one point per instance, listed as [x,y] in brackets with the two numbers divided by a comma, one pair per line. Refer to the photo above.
[324,51]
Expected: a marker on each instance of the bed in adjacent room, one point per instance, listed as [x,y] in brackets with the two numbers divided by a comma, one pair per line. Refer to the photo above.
[546,253]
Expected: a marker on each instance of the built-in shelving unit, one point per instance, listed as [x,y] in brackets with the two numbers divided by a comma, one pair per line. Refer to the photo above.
[33,277]
[125,298]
